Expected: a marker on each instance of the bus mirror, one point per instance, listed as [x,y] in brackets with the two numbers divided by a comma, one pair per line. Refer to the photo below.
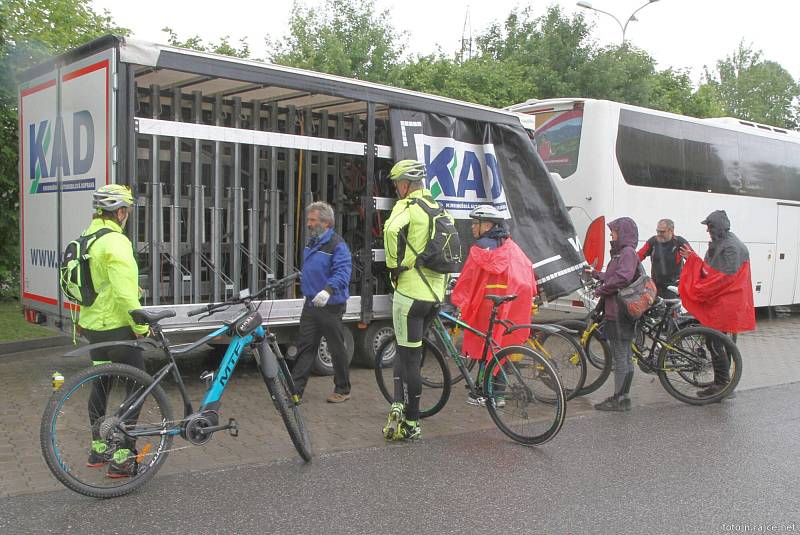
[594,243]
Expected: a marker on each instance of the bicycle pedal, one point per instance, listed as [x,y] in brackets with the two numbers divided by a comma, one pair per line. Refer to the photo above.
[233,427]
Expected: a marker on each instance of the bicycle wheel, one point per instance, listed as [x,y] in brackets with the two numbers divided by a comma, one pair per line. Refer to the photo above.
[566,355]
[685,364]
[81,426]
[598,357]
[434,373]
[524,395]
[281,394]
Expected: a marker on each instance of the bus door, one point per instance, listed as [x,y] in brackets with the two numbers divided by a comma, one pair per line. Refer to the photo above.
[787,256]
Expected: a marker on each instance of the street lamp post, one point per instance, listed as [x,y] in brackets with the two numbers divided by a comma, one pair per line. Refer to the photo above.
[587,5]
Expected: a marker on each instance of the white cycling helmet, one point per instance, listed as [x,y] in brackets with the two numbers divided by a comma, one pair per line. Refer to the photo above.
[111,197]
[487,212]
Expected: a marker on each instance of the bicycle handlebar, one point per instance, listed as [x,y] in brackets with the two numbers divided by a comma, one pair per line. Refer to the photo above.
[197,311]
[211,307]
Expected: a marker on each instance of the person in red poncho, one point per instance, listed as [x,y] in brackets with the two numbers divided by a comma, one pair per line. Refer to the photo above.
[718,291]
[495,266]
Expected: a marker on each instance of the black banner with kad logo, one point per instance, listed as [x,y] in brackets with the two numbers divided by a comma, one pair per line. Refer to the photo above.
[470,163]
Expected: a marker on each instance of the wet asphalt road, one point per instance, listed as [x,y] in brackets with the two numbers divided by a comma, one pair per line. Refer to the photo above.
[658,469]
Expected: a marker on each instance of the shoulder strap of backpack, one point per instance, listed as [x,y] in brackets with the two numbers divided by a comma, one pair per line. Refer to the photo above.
[419,270]
[330,246]
[94,236]
[429,211]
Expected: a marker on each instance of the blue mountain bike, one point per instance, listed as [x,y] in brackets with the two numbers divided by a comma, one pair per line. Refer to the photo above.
[110,428]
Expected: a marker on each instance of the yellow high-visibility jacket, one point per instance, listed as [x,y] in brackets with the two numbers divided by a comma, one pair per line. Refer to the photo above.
[409,218]
[115,276]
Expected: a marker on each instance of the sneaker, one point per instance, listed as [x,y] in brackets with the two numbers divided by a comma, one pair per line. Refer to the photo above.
[614,404]
[410,430]
[336,397]
[712,390]
[392,429]
[499,402]
[98,455]
[123,464]
[478,401]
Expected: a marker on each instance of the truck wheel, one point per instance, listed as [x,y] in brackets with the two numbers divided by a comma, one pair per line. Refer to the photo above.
[323,364]
[370,339]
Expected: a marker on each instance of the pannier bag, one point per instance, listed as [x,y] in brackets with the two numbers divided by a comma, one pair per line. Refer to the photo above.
[638,296]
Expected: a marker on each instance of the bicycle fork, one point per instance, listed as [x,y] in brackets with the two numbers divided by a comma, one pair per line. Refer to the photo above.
[273,365]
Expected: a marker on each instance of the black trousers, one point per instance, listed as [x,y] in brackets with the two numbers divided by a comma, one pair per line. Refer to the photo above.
[407,364]
[98,399]
[720,362]
[316,322]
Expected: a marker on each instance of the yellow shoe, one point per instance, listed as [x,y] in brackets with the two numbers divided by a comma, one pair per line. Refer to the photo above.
[392,429]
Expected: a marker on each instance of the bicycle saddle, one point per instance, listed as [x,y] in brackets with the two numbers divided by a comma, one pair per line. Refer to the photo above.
[500,299]
[150,317]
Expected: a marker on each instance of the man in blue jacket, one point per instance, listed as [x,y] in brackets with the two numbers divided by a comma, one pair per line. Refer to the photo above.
[327,266]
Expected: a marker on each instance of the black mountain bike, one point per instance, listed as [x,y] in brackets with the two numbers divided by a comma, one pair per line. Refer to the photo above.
[674,348]
[118,414]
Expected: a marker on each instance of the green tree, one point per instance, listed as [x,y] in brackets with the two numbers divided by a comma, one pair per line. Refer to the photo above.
[344,37]
[548,52]
[620,73]
[750,87]
[31,30]
[223,46]
[480,80]
[704,103]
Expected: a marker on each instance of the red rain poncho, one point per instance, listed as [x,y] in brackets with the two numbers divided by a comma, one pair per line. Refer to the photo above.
[717,290]
[720,301]
[502,271]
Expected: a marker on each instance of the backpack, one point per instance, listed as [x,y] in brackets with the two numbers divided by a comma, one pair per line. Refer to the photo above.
[442,253]
[75,277]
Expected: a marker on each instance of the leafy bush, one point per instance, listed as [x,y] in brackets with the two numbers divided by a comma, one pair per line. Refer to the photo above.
[9,284]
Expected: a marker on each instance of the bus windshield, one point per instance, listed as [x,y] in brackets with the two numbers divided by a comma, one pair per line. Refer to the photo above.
[558,138]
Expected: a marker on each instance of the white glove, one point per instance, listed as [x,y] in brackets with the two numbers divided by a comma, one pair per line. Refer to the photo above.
[321,299]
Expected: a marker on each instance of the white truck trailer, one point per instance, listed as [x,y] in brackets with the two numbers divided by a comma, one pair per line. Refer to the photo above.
[223,154]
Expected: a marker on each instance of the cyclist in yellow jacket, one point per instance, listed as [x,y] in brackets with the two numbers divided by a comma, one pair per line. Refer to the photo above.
[417,290]
[115,277]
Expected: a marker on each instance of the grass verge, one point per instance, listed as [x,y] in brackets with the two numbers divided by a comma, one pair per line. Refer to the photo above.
[13,325]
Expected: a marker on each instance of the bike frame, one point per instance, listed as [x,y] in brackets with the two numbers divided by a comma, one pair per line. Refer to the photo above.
[211,400]
[655,338]
[489,343]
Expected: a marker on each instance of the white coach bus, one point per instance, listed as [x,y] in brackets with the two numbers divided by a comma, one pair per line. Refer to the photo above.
[611,159]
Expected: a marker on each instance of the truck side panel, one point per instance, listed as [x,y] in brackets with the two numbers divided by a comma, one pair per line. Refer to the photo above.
[66,139]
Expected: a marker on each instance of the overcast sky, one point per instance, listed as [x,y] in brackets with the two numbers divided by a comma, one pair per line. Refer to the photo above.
[678,33]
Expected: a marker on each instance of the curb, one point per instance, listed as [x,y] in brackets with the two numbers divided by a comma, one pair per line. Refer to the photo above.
[17,346]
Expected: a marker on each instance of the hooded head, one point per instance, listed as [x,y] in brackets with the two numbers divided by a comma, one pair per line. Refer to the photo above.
[627,234]
[718,224]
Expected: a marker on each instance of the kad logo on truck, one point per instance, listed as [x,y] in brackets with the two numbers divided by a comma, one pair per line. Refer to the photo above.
[462,175]
[52,149]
